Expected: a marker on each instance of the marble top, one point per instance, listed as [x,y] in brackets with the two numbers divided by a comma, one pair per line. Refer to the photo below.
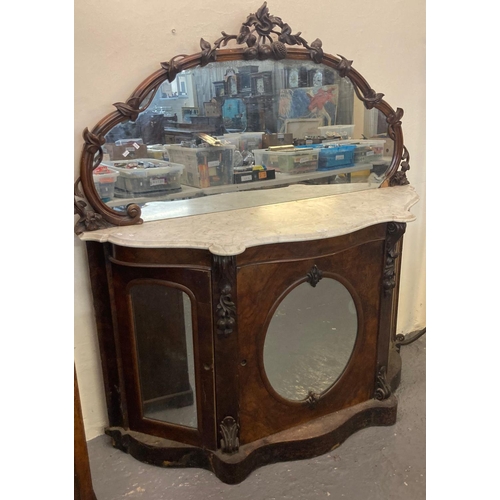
[232,231]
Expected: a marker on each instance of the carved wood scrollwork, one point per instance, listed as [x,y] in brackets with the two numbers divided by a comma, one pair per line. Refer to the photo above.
[88,220]
[399,177]
[226,311]
[382,390]
[226,308]
[394,232]
[229,429]
[256,32]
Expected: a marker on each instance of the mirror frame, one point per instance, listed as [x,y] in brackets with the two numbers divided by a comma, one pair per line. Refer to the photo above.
[95,214]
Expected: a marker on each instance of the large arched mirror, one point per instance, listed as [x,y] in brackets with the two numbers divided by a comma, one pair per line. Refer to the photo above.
[277,121]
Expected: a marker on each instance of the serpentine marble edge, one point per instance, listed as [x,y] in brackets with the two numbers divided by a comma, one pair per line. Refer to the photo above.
[232,231]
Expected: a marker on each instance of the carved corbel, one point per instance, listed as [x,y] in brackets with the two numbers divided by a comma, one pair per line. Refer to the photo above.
[229,429]
[382,388]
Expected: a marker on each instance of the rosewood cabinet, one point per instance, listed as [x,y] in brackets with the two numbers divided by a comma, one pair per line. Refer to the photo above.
[199,371]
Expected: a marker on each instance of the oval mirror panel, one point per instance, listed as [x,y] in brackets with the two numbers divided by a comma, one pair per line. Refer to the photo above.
[310,339]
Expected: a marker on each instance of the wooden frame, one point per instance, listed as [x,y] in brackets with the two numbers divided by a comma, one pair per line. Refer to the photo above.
[255,33]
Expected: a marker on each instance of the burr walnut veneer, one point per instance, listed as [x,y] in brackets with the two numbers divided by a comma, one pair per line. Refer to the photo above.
[241,421]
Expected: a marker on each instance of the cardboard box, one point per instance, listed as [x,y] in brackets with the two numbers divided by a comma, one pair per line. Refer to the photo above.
[254,175]
[126,152]
[276,140]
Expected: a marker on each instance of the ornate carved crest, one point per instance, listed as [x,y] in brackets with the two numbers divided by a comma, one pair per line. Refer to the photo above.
[229,429]
[256,33]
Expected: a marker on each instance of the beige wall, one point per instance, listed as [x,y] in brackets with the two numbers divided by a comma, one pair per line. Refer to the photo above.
[118,43]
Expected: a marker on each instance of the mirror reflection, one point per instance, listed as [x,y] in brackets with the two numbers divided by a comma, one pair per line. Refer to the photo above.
[164,341]
[310,339]
[244,126]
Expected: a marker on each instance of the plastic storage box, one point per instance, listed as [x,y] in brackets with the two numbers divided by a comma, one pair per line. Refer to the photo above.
[339,131]
[336,156]
[146,177]
[367,150]
[129,142]
[105,181]
[205,166]
[299,161]
[244,141]
[158,151]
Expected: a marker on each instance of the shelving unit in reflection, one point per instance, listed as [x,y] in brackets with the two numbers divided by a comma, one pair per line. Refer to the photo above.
[282,180]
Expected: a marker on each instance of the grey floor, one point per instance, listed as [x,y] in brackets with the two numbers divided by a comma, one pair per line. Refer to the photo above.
[374,464]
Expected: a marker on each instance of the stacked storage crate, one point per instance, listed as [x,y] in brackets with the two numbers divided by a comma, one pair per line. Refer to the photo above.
[244,141]
[204,166]
[105,181]
[145,177]
[296,161]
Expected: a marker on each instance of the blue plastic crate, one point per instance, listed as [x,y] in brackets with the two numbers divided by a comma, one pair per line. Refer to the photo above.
[336,156]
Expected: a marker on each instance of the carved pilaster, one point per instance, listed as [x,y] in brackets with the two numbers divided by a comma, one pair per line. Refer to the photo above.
[394,232]
[229,429]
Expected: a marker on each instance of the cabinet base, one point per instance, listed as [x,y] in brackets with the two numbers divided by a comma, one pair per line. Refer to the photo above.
[301,442]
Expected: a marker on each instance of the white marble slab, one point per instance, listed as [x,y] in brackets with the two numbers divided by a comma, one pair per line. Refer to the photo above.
[232,231]
[159,210]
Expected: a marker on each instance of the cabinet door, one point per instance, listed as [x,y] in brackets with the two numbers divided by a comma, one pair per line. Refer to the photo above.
[162,313]
[308,335]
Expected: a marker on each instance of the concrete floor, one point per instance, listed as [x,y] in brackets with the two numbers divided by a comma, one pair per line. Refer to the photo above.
[378,463]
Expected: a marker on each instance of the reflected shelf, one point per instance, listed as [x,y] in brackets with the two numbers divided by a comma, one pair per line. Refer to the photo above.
[282,180]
